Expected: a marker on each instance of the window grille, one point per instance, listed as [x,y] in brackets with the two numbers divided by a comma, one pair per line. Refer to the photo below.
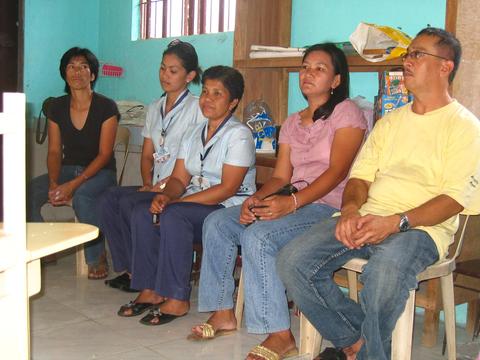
[167,18]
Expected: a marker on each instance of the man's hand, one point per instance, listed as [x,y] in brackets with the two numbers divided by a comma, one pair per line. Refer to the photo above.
[347,227]
[373,229]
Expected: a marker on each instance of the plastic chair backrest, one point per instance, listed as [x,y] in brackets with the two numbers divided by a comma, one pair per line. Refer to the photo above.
[122,138]
[460,236]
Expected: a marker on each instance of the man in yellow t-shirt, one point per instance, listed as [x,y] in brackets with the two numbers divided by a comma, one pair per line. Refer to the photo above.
[419,168]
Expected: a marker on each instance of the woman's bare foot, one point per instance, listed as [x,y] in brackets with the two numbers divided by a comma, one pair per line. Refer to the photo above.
[220,320]
[145,296]
[98,271]
[280,342]
[174,307]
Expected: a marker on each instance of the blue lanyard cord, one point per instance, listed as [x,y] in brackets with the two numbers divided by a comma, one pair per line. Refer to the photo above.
[179,100]
[206,152]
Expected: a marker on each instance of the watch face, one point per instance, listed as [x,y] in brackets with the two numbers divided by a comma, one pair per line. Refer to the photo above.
[404,224]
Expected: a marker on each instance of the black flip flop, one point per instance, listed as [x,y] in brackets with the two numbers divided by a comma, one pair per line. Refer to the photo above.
[156,314]
[332,354]
[137,308]
[117,281]
[121,282]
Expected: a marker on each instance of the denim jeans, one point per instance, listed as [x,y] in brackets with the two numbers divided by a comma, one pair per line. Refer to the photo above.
[266,308]
[306,267]
[115,208]
[84,202]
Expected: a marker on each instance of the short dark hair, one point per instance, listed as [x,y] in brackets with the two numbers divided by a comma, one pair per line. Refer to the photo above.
[91,60]
[449,44]
[340,67]
[187,55]
[229,77]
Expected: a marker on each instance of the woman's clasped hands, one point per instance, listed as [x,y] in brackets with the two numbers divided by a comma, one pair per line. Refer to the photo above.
[159,203]
[270,208]
[60,194]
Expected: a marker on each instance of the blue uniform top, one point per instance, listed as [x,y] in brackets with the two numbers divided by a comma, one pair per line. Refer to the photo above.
[232,144]
[185,114]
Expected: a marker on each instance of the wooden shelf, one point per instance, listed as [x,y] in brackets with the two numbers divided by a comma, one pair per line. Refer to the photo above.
[266,160]
[268,78]
[292,64]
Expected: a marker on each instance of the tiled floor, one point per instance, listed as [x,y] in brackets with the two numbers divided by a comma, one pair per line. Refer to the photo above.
[75,318]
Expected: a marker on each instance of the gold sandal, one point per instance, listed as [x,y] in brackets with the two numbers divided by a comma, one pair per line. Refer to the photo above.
[209,333]
[267,354]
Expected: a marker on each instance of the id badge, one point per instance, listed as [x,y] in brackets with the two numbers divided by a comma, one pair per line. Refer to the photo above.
[201,181]
[161,156]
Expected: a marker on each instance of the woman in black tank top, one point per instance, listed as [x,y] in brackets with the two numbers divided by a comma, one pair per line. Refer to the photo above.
[81,133]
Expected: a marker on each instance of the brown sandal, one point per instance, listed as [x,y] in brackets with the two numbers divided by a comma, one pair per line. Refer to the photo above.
[100,270]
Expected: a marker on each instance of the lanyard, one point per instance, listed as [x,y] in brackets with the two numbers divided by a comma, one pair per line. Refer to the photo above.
[206,152]
[179,100]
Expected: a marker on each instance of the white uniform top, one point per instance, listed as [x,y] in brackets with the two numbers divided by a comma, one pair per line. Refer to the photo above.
[232,144]
[184,115]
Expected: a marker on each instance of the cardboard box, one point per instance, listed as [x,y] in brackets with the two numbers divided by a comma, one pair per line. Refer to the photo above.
[392,83]
[391,102]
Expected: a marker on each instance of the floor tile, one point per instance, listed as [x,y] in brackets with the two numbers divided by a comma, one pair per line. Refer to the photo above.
[135,354]
[84,340]
[46,313]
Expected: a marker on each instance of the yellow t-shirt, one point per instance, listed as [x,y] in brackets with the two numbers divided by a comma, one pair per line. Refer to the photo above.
[411,158]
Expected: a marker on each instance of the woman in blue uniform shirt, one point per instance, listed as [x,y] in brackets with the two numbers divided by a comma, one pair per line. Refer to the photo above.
[214,169]
[168,118]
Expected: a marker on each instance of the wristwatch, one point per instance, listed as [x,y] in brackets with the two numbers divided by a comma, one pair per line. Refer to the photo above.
[404,223]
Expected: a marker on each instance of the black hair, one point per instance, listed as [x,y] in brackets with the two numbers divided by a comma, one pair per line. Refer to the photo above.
[449,44]
[187,55]
[91,60]
[229,77]
[340,67]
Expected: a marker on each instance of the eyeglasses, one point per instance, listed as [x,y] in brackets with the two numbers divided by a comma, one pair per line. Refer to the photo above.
[417,54]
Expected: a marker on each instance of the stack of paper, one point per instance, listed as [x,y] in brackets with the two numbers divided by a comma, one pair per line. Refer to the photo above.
[264,51]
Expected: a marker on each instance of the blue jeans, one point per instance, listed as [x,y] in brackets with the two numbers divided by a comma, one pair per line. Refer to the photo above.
[266,308]
[84,202]
[306,268]
[115,209]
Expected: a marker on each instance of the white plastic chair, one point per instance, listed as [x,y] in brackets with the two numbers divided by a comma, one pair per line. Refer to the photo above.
[311,340]
[240,302]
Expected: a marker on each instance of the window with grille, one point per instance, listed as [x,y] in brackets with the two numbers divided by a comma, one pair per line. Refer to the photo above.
[166,18]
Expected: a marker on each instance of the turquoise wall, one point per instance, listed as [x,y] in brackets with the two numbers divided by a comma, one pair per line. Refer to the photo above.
[141,58]
[51,28]
[315,21]
[105,27]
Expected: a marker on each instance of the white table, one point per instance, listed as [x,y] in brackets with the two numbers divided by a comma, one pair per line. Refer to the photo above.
[49,238]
